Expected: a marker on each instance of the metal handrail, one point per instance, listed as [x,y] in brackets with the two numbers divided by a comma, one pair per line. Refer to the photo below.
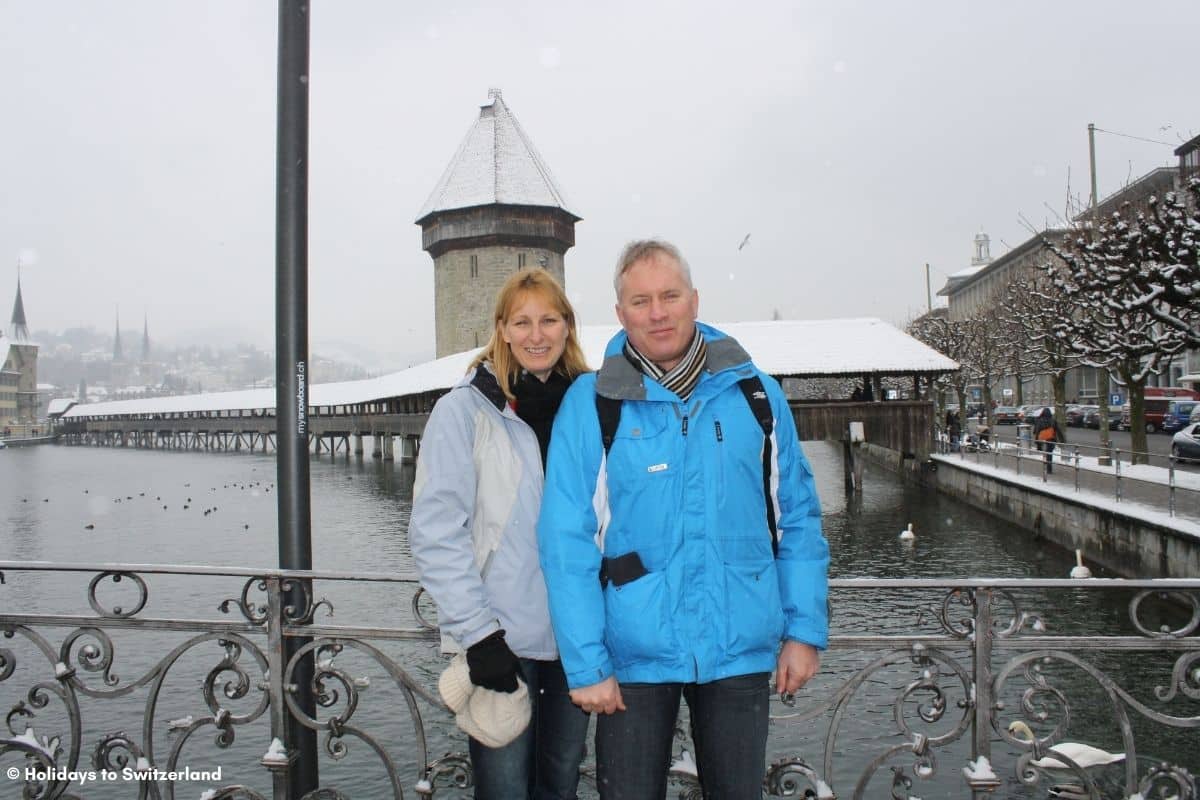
[952,684]
[1019,449]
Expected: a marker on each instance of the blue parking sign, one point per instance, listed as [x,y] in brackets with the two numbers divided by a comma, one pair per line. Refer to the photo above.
[1115,400]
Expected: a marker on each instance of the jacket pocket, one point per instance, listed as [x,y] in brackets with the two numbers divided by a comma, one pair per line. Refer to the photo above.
[636,619]
[754,609]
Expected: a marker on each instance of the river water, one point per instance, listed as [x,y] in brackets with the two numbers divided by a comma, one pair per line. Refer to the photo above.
[81,504]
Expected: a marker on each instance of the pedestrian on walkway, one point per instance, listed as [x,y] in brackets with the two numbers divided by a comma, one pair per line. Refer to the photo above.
[1047,434]
[953,430]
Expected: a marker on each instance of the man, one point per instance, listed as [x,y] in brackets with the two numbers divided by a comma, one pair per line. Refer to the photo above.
[663,575]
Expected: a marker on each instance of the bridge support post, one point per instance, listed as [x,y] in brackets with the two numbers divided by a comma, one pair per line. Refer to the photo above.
[378,450]
[358,444]
[389,448]
[408,450]
[851,463]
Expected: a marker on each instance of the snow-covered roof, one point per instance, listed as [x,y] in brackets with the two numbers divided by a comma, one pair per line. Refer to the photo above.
[496,163]
[59,405]
[957,279]
[802,348]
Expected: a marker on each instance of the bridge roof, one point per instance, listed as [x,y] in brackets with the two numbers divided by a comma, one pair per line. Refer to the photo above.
[783,348]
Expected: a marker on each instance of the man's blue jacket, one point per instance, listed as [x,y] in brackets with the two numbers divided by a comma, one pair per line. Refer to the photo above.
[682,486]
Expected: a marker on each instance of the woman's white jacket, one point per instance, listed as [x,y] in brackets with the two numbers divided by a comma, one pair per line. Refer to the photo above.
[473,528]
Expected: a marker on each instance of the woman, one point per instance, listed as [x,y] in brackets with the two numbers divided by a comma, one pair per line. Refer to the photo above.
[1046,433]
[473,531]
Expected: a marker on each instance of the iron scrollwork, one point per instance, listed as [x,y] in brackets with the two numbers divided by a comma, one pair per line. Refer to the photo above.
[117,612]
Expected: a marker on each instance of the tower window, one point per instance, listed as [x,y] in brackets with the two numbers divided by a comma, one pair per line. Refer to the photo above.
[474,266]
[520,261]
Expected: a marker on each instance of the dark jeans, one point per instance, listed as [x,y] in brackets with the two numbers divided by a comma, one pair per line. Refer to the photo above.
[543,762]
[729,730]
[1048,448]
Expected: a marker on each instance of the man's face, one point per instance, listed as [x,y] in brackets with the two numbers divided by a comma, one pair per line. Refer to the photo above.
[658,309]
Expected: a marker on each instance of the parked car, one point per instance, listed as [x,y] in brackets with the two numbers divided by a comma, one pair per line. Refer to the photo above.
[1178,415]
[1028,412]
[1005,415]
[1186,444]
[1092,418]
[1076,414]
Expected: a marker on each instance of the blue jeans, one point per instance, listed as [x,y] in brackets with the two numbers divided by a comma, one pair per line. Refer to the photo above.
[543,762]
[729,730]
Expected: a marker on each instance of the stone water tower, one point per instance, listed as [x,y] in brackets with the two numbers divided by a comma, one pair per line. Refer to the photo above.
[495,210]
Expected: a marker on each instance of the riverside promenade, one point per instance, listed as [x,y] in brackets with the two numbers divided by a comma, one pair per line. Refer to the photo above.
[1138,520]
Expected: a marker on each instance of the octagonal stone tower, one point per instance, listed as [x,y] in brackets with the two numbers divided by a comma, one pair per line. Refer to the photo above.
[495,210]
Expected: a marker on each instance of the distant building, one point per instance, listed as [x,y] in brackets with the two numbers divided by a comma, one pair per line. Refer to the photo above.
[495,210]
[1189,167]
[18,377]
[971,289]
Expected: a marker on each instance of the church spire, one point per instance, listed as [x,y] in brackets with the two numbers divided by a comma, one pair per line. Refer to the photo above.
[20,330]
[117,354]
[145,337]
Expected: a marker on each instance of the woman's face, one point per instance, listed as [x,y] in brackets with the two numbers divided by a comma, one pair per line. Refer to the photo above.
[536,333]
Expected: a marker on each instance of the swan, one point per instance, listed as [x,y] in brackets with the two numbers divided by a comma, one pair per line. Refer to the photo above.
[1082,754]
[907,535]
[1079,570]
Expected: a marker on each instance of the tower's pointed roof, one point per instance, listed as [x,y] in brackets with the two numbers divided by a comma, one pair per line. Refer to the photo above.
[146,337]
[20,329]
[496,163]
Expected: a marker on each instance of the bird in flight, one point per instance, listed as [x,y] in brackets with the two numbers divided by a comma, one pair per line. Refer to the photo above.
[743,244]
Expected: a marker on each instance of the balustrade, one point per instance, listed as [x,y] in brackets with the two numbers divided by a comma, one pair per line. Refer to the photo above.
[930,688]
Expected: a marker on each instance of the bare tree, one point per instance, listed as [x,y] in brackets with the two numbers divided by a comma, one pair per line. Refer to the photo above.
[950,339]
[1108,321]
[1031,310]
[1163,240]
[988,350]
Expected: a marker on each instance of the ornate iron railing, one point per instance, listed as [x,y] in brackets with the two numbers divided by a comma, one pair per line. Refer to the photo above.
[979,688]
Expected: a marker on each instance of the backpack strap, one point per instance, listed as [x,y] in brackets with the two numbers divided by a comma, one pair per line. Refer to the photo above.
[756,396]
[608,410]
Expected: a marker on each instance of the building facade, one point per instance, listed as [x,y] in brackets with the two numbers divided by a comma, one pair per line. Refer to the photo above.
[973,289]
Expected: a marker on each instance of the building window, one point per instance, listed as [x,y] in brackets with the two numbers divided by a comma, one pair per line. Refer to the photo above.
[474,266]
[520,261]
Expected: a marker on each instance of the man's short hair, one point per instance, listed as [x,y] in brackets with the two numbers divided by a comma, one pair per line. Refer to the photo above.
[643,249]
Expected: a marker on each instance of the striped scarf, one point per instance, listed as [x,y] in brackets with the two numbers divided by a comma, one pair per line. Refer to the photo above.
[682,379]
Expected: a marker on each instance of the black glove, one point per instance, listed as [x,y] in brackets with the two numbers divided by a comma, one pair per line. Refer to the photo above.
[492,665]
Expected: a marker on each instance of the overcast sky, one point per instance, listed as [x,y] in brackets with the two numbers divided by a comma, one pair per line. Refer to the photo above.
[854,142]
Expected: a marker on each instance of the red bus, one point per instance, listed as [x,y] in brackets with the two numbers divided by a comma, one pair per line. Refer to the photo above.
[1157,399]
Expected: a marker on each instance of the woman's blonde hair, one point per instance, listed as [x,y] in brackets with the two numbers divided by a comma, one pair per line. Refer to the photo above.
[497,351]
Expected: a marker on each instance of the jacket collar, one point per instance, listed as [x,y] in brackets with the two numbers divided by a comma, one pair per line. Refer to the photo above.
[484,381]
[619,379]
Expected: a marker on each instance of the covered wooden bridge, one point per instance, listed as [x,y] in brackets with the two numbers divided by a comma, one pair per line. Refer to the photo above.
[815,359]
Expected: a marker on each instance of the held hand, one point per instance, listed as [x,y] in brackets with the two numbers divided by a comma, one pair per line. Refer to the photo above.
[797,663]
[492,665]
[603,697]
